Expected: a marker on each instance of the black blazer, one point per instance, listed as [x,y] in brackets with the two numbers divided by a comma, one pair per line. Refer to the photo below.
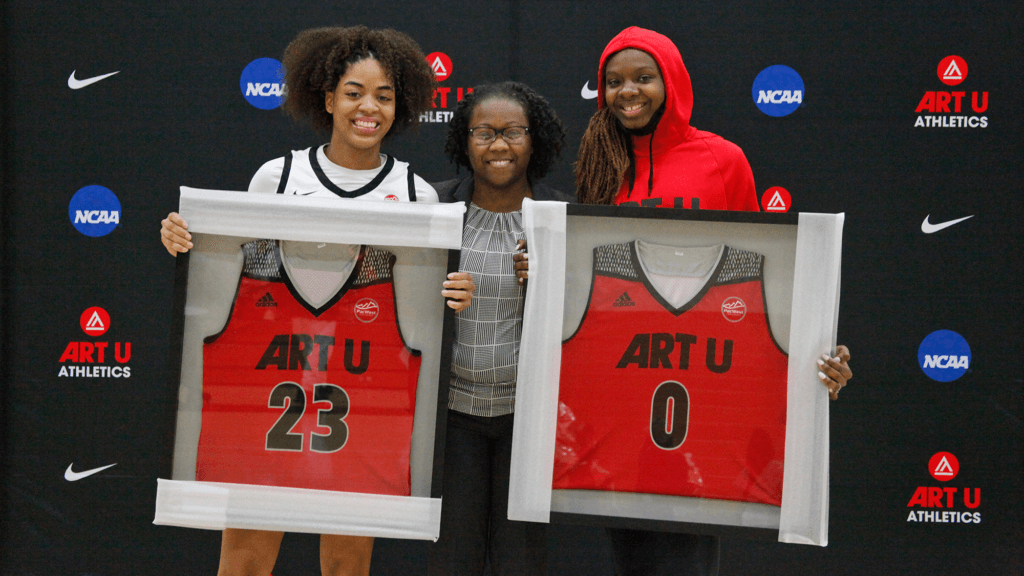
[461,190]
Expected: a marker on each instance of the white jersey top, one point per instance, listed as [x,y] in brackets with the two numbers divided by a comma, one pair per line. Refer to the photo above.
[310,173]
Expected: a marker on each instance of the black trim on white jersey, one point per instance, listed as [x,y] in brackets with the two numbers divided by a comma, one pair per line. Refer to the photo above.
[285,172]
[712,281]
[314,310]
[389,164]
[368,187]
[412,183]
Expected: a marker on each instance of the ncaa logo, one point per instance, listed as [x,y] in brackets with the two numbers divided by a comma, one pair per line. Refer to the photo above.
[944,355]
[95,211]
[262,83]
[366,310]
[441,64]
[952,70]
[95,321]
[778,90]
[943,466]
[734,309]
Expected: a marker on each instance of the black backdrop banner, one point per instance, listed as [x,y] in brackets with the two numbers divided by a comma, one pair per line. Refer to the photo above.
[908,119]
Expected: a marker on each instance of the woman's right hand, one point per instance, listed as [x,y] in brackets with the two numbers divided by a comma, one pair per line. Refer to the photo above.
[174,234]
[521,262]
[458,290]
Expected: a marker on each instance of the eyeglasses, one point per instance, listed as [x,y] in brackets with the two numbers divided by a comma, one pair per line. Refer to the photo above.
[484,135]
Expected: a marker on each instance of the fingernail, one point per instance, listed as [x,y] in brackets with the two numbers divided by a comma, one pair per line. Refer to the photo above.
[821,363]
[826,356]
[822,376]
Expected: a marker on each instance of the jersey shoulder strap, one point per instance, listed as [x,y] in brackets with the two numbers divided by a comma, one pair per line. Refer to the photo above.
[285,172]
[411,177]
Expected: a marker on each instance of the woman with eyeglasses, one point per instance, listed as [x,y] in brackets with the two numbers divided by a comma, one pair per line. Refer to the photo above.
[508,137]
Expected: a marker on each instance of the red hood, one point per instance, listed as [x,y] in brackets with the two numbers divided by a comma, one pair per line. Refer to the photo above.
[675,124]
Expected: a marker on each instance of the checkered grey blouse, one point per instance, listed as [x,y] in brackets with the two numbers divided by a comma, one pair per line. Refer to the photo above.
[486,350]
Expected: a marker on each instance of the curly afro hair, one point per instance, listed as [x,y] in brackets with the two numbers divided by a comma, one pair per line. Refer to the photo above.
[317,59]
[546,130]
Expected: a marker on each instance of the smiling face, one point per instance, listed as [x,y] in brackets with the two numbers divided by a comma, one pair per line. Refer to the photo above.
[363,109]
[633,87]
[499,164]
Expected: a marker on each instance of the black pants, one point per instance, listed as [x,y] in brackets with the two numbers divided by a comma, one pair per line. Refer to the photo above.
[643,553]
[474,508]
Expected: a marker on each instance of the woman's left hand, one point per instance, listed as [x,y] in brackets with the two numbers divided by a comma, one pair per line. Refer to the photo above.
[834,372]
[458,289]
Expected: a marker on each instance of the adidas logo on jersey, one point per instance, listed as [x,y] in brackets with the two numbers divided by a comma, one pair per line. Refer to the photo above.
[624,300]
[266,302]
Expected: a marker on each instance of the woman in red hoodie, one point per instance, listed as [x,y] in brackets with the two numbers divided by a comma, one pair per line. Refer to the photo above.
[640,149]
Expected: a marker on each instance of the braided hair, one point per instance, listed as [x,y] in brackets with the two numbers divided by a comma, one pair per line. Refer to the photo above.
[605,156]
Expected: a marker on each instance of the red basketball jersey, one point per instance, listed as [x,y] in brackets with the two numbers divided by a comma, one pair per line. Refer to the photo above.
[307,397]
[687,401]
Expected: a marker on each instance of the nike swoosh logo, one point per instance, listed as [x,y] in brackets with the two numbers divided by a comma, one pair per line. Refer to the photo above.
[929,228]
[72,476]
[75,83]
[587,93]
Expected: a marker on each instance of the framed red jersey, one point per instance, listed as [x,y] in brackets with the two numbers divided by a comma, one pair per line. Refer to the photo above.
[311,365]
[680,391]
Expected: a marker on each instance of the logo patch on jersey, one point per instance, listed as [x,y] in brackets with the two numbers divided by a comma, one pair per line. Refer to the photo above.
[776,199]
[95,211]
[267,301]
[734,309]
[944,356]
[366,310]
[262,83]
[778,90]
[952,70]
[943,466]
[624,300]
[391,197]
[95,321]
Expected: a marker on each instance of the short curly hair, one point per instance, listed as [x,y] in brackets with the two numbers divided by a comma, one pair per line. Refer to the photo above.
[546,130]
[317,59]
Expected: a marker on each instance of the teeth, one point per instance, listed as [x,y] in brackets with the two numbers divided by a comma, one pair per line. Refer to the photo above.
[633,108]
[500,163]
[365,124]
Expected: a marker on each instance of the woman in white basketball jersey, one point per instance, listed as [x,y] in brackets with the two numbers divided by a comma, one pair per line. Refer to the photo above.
[359,85]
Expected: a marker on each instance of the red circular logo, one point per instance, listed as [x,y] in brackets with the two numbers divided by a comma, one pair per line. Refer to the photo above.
[95,321]
[441,64]
[366,310]
[943,466]
[734,309]
[952,70]
[391,197]
[776,199]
